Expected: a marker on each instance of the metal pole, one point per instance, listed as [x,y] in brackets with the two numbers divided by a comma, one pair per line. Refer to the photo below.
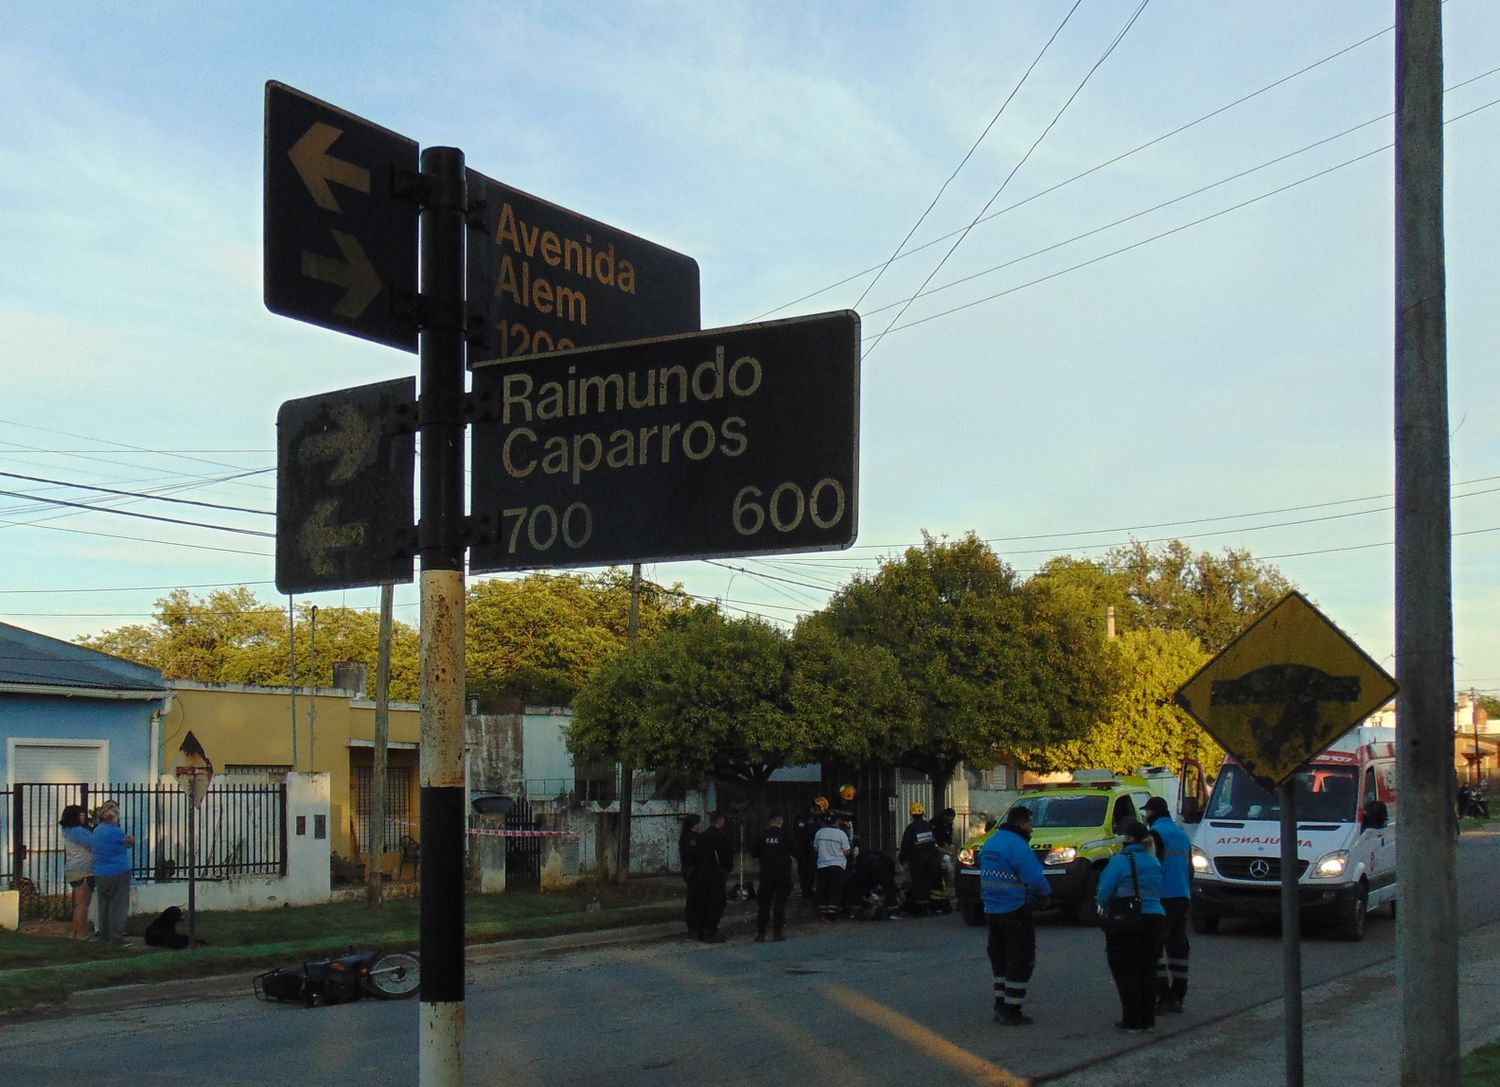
[312,712]
[1474,720]
[291,625]
[1427,947]
[1291,936]
[627,771]
[440,543]
[374,876]
[192,866]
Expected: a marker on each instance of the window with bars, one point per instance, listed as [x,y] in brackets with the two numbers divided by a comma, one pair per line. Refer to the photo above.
[398,821]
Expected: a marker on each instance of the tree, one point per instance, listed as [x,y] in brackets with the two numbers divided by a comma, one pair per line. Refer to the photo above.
[540,637]
[991,663]
[736,699]
[230,636]
[1212,597]
[1141,726]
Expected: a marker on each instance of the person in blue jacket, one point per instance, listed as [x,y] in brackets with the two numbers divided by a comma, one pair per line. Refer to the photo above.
[1132,952]
[1175,851]
[112,873]
[1010,881]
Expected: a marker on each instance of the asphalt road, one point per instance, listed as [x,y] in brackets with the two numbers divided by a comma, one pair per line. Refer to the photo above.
[846,1004]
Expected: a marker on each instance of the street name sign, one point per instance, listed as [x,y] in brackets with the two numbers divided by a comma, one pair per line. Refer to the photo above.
[1285,689]
[542,278]
[344,487]
[731,441]
[340,244]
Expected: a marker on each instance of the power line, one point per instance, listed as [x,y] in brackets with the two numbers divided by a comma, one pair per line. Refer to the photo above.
[143,516]
[150,497]
[1014,169]
[969,154]
[1095,169]
[135,539]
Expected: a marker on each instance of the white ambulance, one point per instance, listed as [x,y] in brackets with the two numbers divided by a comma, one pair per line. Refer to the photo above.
[1346,838]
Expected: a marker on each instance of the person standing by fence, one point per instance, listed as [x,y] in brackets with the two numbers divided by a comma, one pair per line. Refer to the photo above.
[112,874]
[687,856]
[78,866]
[773,849]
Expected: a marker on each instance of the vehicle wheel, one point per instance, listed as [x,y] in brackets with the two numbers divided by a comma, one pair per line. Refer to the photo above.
[1352,920]
[393,976]
[1204,924]
[1086,909]
[973,912]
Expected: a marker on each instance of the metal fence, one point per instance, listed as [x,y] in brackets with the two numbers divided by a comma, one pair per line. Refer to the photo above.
[241,831]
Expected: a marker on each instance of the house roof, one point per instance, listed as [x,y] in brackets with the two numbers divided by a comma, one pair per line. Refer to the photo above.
[32,660]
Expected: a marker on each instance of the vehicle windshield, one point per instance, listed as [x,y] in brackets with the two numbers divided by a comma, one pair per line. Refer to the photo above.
[1066,811]
[1324,795]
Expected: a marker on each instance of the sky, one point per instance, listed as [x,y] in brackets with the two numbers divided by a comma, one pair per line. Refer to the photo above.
[1143,331]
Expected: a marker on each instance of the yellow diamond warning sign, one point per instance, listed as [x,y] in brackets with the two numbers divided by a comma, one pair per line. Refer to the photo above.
[1285,689]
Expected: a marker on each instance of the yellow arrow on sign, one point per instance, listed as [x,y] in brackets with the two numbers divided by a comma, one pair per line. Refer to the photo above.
[355,273]
[347,444]
[317,167]
[318,536]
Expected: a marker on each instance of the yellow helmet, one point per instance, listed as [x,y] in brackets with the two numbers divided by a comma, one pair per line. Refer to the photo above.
[821,803]
[918,809]
[846,793]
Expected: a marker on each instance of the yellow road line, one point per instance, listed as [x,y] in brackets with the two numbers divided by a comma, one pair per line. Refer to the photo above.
[971,1065]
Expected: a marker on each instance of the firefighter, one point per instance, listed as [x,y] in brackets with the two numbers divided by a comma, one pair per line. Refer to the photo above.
[1175,851]
[807,854]
[1011,879]
[919,853]
[714,860]
[773,849]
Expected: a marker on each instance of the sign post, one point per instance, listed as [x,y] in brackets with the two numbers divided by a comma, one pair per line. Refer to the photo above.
[194,773]
[1281,692]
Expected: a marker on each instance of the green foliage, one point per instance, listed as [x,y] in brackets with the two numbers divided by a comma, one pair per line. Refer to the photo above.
[991,663]
[540,637]
[735,699]
[1142,726]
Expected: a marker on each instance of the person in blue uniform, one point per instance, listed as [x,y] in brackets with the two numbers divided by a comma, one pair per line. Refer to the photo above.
[1132,952]
[1011,881]
[1175,851]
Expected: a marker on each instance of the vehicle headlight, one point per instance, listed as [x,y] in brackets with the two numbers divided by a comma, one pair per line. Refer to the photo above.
[966,857]
[1201,863]
[1332,865]
[1063,854]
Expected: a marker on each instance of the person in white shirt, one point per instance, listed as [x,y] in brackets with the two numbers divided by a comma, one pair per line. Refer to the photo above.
[833,849]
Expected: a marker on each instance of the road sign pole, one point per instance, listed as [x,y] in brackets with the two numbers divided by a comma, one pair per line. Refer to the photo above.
[1427,948]
[441,548]
[1291,936]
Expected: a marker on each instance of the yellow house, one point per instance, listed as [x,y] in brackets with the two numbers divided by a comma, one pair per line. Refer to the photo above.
[248,734]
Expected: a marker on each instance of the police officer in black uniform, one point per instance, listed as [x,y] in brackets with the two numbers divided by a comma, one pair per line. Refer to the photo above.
[774,849]
[687,856]
[919,854]
[807,856]
[714,860]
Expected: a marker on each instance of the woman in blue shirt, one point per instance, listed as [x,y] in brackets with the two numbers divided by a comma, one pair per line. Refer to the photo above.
[112,873]
[1132,952]
[78,866]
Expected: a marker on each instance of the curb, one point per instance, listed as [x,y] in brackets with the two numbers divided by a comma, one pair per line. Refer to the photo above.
[224,986]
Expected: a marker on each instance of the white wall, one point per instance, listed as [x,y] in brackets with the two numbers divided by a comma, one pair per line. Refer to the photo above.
[307,881]
[546,764]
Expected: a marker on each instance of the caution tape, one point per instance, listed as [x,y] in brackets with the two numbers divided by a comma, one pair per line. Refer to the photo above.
[524,833]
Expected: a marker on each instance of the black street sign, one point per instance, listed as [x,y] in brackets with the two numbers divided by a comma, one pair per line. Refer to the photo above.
[340,245]
[733,441]
[542,278]
[344,487]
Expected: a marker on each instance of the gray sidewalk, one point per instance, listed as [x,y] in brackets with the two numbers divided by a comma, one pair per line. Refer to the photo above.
[1351,1032]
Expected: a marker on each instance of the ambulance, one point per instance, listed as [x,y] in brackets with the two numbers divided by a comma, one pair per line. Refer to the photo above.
[1346,839]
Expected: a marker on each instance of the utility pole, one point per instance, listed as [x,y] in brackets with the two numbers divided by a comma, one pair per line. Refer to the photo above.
[440,543]
[1427,948]
[312,712]
[291,633]
[1474,721]
[374,876]
[627,772]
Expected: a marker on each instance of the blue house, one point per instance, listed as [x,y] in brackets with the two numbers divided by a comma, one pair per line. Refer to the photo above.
[70,714]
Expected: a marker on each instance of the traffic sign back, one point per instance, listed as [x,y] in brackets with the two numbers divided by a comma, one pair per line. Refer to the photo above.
[733,441]
[344,487]
[340,245]
[1285,689]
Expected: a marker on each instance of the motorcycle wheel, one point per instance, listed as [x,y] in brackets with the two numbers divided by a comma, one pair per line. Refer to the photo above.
[395,975]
